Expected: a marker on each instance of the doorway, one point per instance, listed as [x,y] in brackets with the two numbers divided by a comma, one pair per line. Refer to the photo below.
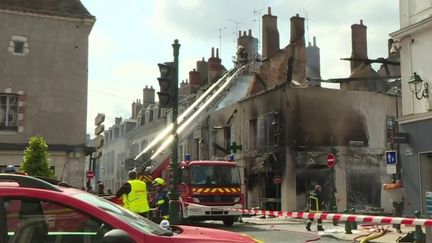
[425,179]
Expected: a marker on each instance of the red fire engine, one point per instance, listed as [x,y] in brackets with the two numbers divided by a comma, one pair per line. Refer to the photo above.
[210,190]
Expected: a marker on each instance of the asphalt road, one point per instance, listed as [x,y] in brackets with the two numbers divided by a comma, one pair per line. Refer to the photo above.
[271,232]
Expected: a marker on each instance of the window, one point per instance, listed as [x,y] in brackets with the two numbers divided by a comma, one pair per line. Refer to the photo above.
[18,45]
[8,112]
[32,220]
[253,133]
[151,115]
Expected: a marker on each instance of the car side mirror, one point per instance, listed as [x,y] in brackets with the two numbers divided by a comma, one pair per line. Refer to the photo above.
[117,236]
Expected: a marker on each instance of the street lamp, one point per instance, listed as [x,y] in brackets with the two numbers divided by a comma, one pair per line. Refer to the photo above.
[415,85]
[174,208]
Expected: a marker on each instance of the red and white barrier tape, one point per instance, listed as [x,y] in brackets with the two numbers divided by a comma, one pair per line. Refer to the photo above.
[334,216]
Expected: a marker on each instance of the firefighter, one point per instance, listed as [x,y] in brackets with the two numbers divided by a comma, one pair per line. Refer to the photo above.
[134,193]
[161,201]
[242,55]
[315,205]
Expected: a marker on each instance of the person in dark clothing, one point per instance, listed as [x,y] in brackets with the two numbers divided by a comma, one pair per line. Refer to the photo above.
[315,205]
[161,200]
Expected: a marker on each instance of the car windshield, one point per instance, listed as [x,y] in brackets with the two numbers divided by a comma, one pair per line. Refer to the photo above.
[215,175]
[117,211]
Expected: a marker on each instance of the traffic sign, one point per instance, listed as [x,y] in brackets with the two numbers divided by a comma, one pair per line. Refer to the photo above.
[331,160]
[391,157]
[277,180]
[90,174]
[391,169]
[99,118]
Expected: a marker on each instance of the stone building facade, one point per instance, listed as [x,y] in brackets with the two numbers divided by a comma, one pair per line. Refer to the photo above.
[43,82]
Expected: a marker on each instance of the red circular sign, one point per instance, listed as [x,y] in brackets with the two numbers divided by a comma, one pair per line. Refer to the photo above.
[277,180]
[90,174]
[331,160]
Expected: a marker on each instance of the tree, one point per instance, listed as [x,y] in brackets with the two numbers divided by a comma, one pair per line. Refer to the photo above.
[35,161]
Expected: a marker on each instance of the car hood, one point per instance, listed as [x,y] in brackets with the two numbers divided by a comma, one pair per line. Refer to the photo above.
[201,234]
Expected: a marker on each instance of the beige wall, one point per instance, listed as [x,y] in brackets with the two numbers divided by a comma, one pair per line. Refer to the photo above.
[52,77]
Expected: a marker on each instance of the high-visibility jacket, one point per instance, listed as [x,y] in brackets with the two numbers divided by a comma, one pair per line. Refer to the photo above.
[136,200]
[315,201]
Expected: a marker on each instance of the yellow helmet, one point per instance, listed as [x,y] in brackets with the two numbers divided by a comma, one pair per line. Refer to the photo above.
[158,182]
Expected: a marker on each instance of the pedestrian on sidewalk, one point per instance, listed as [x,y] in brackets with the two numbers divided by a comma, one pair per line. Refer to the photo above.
[315,205]
[396,194]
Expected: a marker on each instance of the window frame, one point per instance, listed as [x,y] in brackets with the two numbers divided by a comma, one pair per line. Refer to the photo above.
[9,110]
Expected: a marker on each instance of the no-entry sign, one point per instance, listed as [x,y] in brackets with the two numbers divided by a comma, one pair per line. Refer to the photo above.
[90,174]
[331,160]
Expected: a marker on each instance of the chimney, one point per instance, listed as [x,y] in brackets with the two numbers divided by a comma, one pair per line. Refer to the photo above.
[217,53]
[148,96]
[202,68]
[297,42]
[270,34]
[359,44]
[118,120]
[194,78]
[297,29]
[313,60]
[133,110]
[214,67]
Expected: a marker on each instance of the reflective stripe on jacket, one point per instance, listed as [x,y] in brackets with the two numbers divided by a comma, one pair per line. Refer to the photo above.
[162,202]
[314,202]
[136,199]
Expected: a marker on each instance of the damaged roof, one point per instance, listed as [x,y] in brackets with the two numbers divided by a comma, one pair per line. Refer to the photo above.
[63,8]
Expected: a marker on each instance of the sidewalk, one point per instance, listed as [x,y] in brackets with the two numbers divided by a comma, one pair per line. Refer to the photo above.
[332,231]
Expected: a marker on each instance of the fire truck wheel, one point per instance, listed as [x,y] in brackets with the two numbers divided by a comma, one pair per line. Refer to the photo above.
[229,221]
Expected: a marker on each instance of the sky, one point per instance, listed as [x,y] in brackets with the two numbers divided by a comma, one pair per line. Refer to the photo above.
[130,37]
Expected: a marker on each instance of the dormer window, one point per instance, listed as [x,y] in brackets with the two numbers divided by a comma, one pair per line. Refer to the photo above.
[18,45]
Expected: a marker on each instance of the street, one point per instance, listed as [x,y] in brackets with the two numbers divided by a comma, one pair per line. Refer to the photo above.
[275,230]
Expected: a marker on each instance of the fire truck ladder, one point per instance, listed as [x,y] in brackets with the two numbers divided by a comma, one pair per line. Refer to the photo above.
[200,108]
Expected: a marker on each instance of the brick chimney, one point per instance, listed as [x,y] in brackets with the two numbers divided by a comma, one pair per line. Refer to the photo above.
[249,42]
[359,44]
[214,65]
[136,107]
[194,80]
[202,68]
[297,41]
[148,96]
[270,34]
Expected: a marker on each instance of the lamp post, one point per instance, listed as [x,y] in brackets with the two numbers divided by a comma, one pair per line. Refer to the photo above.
[174,208]
[415,85]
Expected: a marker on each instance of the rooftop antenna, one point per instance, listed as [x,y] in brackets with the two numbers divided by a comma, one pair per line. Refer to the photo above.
[237,24]
[307,23]
[259,13]
[220,40]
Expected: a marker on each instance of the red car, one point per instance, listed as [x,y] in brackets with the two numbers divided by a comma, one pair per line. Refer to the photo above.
[32,210]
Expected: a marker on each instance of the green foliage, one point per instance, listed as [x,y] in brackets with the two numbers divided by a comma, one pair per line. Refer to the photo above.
[35,161]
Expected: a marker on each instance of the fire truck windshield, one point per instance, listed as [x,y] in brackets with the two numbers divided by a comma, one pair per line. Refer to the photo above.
[214,175]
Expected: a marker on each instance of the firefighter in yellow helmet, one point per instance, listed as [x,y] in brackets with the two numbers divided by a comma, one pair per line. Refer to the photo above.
[134,194]
[161,201]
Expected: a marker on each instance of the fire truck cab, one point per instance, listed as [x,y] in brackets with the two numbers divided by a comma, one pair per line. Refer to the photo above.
[210,190]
